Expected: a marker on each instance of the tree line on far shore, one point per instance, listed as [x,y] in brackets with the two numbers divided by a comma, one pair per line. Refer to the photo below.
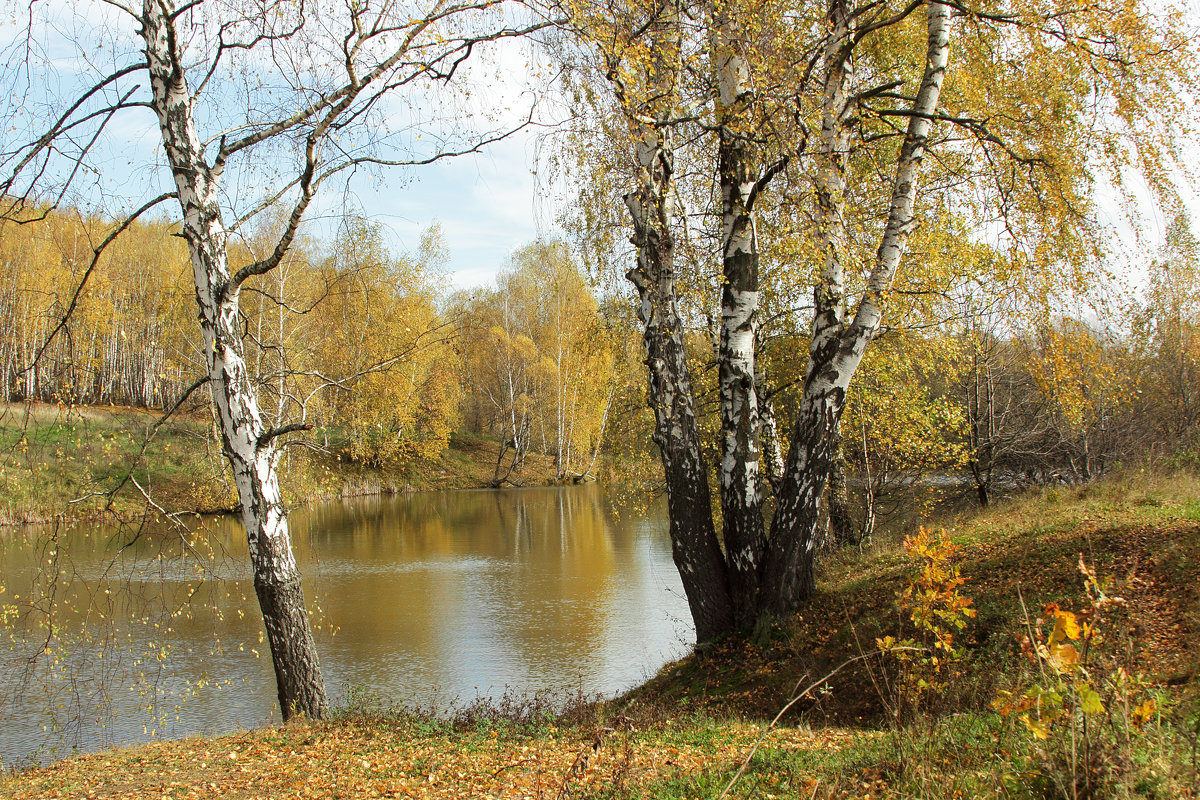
[359,342]
[384,360]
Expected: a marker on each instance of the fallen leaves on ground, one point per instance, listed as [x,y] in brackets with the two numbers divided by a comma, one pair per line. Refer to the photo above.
[368,759]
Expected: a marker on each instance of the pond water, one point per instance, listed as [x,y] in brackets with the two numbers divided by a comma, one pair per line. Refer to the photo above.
[430,599]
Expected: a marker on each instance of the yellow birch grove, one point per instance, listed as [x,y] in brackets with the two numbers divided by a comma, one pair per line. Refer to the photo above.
[346,335]
[127,340]
[538,361]
[387,375]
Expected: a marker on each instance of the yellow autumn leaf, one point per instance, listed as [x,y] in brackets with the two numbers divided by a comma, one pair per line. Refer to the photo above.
[1143,713]
[1063,657]
[1066,626]
[1039,728]
[1089,699]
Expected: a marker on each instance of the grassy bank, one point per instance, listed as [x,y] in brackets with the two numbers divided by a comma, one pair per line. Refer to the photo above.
[1118,719]
[78,462]
[1140,532]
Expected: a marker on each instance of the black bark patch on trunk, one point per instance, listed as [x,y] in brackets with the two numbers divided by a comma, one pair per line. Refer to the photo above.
[293,651]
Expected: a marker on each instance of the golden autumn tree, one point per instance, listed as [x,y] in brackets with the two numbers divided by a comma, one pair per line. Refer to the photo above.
[902,423]
[576,357]
[1169,327]
[388,378]
[1077,369]
[538,361]
[815,153]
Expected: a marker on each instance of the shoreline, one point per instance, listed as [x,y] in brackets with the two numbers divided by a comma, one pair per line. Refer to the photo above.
[58,465]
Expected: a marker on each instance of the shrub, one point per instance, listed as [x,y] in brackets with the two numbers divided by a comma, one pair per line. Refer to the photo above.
[1082,708]
[923,662]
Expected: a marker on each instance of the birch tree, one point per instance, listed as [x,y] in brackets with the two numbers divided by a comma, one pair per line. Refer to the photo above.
[643,56]
[826,120]
[1169,322]
[838,339]
[644,64]
[537,361]
[740,181]
[276,94]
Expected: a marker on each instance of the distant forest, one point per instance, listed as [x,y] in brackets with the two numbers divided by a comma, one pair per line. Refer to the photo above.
[372,348]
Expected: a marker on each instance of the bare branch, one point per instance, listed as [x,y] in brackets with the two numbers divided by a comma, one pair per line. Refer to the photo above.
[357,84]
[765,179]
[60,126]
[282,430]
[120,6]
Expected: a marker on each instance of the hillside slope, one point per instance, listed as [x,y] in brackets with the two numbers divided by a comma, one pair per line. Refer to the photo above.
[1139,533]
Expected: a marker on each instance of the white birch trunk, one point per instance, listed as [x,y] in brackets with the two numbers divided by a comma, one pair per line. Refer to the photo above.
[837,348]
[246,442]
[694,544]
[741,500]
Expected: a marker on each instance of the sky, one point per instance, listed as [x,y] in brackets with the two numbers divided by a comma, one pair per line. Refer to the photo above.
[488,203]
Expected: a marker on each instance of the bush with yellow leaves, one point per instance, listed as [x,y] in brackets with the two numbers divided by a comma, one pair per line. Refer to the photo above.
[1082,707]
[937,610]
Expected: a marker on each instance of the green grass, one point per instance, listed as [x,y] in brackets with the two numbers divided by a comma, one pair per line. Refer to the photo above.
[61,461]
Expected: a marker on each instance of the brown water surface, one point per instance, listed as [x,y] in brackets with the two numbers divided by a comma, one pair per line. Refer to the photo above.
[116,634]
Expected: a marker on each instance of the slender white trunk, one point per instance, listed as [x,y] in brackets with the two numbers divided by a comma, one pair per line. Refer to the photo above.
[741,500]
[246,441]
[600,433]
[837,349]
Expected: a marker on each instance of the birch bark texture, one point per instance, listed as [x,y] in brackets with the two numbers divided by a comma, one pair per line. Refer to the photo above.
[694,544]
[739,183]
[246,442]
[837,345]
